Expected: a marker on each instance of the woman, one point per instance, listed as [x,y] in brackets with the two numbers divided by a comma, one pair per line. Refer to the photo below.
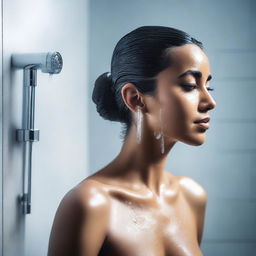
[158,89]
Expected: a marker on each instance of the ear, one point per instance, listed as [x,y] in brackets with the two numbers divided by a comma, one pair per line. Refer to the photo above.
[132,97]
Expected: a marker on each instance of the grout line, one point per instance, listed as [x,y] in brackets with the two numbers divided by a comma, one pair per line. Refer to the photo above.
[234,78]
[235,120]
[231,50]
[229,241]
[238,199]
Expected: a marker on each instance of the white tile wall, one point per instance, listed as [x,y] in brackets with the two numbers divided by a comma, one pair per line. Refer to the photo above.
[59,159]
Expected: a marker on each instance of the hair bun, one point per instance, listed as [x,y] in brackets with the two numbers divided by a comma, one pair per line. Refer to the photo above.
[104,98]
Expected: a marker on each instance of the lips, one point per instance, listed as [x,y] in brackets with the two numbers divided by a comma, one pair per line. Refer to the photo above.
[204,123]
[205,120]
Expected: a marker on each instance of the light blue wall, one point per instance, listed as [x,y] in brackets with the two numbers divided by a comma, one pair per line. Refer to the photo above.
[225,164]
[59,158]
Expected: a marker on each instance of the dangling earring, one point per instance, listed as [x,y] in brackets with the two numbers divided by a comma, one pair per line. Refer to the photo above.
[139,118]
[160,135]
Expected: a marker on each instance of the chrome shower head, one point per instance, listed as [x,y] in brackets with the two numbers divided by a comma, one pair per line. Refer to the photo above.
[50,62]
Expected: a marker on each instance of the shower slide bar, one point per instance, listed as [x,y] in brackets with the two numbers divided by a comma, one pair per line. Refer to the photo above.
[52,63]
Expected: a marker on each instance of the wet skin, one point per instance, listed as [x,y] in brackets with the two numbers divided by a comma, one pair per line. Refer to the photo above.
[133,206]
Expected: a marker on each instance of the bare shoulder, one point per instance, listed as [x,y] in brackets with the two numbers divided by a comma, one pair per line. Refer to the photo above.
[92,195]
[87,196]
[194,192]
[82,211]
[197,198]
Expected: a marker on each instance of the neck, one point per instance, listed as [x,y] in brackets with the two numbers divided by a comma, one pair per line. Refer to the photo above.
[145,161]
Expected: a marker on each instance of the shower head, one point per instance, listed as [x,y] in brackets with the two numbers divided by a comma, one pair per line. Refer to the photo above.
[50,62]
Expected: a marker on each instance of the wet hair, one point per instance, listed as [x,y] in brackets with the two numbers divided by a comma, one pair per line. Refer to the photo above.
[137,58]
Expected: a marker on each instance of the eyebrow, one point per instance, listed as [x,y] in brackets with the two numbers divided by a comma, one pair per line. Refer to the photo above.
[195,73]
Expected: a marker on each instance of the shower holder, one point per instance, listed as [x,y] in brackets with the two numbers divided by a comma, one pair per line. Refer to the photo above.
[27,135]
[51,63]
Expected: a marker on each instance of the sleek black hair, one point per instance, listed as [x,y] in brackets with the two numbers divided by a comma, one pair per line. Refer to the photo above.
[137,58]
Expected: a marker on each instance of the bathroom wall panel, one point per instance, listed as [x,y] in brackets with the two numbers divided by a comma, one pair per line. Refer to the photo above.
[230,220]
[230,106]
[234,65]
[60,158]
[232,136]
[226,248]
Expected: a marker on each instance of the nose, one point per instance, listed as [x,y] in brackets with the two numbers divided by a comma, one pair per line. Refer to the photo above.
[206,101]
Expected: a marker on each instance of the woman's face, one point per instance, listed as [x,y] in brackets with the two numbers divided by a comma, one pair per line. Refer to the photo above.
[183,96]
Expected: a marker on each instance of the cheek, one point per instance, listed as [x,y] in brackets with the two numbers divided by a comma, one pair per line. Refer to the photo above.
[179,112]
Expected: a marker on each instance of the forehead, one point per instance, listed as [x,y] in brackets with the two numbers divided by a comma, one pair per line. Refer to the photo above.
[189,56]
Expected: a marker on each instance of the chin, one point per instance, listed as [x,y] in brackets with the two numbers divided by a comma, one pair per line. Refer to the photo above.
[197,140]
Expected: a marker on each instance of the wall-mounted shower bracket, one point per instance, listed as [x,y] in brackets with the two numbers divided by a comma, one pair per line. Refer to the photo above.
[48,63]
[25,202]
[27,135]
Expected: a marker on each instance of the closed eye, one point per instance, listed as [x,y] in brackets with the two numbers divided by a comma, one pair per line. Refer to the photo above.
[190,87]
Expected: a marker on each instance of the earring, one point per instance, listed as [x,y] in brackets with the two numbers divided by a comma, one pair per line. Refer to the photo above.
[139,117]
[160,135]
